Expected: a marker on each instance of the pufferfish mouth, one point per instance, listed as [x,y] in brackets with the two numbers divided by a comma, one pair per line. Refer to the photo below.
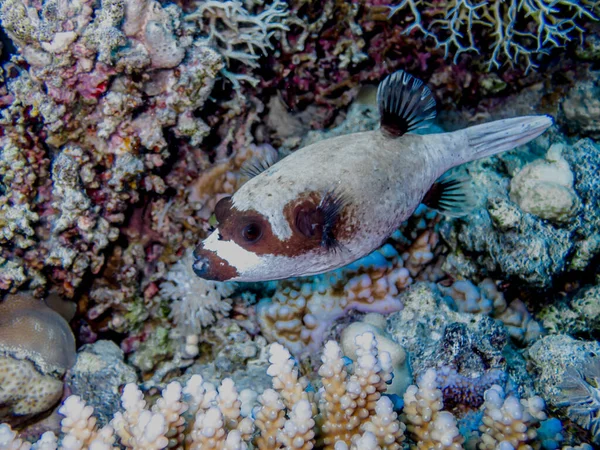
[210,266]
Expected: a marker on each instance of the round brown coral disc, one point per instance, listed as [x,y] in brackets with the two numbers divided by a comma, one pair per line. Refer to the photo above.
[36,348]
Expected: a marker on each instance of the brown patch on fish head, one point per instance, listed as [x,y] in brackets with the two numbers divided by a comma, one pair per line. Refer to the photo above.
[252,231]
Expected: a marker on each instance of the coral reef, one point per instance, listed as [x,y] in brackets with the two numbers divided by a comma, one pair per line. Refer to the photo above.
[36,349]
[376,324]
[349,411]
[576,316]
[124,122]
[299,313]
[89,105]
[98,375]
[500,238]
[195,302]
[516,32]
[581,109]
[545,188]
[567,377]
[239,35]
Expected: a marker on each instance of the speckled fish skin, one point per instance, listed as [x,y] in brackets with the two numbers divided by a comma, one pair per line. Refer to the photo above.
[383,178]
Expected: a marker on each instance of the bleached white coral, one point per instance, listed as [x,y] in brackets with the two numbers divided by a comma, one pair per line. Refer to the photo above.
[240,35]
[195,303]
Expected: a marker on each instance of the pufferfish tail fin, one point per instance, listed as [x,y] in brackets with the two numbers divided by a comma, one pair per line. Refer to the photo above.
[405,103]
[502,135]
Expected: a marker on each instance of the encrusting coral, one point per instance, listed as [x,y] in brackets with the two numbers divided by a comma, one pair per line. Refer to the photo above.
[349,411]
[545,187]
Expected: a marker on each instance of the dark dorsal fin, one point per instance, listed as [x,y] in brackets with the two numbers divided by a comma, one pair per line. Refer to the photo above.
[452,195]
[405,103]
[256,166]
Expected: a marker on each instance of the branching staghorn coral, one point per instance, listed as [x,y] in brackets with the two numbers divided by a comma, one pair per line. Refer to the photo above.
[519,31]
[300,311]
[240,35]
[510,420]
[350,411]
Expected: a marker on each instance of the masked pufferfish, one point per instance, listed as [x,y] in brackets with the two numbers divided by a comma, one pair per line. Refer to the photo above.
[335,201]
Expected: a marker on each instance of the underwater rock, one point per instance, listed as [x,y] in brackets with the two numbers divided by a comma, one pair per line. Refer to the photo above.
[236,355]
[98,376]
[499,238]
[545,187]
[581,108]
[468,350]
[568,377]
[36,349]
[578,316]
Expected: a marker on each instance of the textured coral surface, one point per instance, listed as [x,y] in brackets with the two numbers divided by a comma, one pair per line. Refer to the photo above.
[124,122]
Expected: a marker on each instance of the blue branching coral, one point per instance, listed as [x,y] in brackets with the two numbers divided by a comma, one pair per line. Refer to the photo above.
[580,394]
[517,31]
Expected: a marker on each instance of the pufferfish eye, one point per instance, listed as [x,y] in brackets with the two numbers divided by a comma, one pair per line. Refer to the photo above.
[252,232]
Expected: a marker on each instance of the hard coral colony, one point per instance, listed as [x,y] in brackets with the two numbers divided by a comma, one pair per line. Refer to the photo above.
[469,321]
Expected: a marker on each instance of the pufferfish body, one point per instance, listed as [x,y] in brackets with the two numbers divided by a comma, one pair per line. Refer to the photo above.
[335,201]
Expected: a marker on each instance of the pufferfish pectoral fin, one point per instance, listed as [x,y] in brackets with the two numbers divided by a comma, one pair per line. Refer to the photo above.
[405,103]
[255,166]
[452,195]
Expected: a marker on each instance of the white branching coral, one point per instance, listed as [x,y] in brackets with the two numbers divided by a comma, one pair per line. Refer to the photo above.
[517,30]
[349,412]
[509,420]
[426,422]
[240,35]
[195,303]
